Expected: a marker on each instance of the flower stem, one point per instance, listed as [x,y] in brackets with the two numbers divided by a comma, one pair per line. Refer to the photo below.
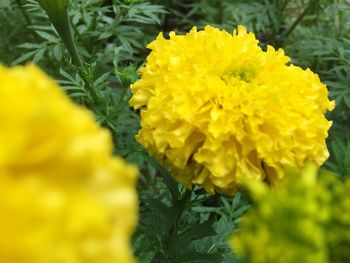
[299,19]
[26,17]
[60,21]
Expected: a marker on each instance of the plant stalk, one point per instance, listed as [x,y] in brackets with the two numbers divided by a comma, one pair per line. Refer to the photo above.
[299,19]
[60,21]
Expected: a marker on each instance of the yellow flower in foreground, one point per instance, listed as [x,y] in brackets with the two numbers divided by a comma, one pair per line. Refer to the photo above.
[218,109]
[64,198]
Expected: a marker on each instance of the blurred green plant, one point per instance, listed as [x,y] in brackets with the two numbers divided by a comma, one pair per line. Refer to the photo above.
[179,225]
[111,35]
[304,219]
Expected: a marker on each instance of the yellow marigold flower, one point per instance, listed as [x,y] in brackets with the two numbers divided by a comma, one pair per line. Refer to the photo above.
[218,109]
[64,198]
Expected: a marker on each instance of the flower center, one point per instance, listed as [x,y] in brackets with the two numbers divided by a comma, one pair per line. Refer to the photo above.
[238,75]
[243,75]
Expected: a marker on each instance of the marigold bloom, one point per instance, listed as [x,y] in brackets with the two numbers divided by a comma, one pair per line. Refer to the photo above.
[64,198]
[218,109]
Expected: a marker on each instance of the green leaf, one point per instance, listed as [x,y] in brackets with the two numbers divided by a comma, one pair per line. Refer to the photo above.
[50,38]
[24,57]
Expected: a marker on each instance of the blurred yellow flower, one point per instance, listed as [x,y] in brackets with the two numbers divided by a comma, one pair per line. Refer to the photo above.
[64,198]
[218,109]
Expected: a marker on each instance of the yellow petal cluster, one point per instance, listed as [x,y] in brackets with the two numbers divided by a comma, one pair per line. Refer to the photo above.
[218,109]
[64,197]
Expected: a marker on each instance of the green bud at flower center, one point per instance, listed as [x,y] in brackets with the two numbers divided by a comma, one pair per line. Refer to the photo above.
[234,75]
[243,75]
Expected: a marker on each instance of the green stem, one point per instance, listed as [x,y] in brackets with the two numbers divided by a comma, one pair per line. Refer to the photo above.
[180,207]
[284,6]
[27,18]
[60,21]
[299,19]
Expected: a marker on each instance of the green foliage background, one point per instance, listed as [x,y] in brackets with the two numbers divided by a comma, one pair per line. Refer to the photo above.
[177,225]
